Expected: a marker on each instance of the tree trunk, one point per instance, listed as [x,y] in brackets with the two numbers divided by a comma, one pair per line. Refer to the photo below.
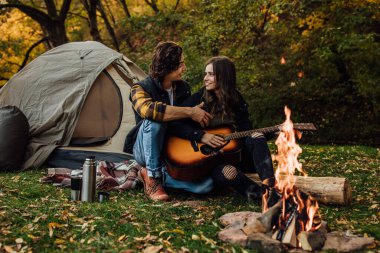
[56,32]
[51,23]
[125,7]
[326,190]
[108,26]
[90,6]
[153,5]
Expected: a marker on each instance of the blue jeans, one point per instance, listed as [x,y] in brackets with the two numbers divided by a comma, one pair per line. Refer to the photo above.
[148,147]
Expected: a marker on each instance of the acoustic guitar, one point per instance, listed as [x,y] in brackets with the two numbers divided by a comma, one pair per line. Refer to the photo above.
[191,161]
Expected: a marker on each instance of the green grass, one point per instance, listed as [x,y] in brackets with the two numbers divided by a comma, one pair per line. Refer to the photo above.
[130,221]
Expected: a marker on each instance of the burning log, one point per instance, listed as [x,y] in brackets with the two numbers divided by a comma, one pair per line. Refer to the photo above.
[326,190]
[289,237]
[264,223]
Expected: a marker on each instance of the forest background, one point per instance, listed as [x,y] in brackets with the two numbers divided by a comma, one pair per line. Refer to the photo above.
[319,57]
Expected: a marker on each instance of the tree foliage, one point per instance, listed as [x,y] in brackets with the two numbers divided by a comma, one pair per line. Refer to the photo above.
[320,57]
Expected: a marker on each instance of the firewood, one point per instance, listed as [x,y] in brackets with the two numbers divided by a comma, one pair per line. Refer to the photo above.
[311,241]
[326,190]
[264,223]
[270,217]
[290,237]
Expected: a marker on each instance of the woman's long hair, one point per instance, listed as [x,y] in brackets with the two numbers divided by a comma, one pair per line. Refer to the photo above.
[225,78]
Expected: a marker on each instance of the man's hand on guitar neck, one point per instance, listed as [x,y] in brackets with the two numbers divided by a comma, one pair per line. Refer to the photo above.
[213,140]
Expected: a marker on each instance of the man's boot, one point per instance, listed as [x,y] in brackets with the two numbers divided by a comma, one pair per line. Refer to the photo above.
[152,186]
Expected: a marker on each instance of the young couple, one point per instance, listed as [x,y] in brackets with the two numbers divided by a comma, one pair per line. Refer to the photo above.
[164,106]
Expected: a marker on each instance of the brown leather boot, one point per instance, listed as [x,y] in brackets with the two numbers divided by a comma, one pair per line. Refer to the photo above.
[152,187]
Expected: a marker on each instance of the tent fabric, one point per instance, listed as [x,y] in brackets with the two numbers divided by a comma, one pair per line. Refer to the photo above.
[14,133]
[52,89]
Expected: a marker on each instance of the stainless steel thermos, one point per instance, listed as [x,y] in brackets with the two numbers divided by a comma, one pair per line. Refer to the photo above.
[89,180]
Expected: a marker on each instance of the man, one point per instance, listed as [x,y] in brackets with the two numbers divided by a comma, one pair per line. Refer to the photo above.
[155,101]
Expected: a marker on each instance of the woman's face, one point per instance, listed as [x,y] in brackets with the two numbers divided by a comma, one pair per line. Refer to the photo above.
[209,79]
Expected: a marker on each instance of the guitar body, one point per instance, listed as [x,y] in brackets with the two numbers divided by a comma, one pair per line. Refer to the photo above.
[186,164]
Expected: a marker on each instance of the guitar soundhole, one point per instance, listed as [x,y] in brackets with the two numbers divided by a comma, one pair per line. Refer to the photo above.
[207,150]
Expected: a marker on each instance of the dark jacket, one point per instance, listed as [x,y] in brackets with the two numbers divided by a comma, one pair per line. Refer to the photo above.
[154,89]
[185,128]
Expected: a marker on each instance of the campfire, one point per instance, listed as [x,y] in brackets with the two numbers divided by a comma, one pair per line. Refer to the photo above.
[290,217]
[294,219]
[298,211]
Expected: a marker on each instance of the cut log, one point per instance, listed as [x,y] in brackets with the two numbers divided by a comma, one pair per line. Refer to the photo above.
[290,237]
[326,190]
[264,223]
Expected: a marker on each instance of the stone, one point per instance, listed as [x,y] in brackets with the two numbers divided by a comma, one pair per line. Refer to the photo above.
[230,218]
[233,235]
[346,243]
[264,243]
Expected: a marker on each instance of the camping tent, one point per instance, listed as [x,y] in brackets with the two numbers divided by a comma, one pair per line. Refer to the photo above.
[75,98]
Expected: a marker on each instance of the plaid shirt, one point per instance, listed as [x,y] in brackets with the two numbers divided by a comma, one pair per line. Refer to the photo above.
[145,106]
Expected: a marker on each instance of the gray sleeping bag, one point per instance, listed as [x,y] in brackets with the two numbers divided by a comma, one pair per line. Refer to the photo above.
[14,132]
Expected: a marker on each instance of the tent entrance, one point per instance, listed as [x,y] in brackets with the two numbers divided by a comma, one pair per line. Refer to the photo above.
[101,114]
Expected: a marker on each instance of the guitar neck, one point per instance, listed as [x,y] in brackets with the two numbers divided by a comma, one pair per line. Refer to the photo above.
[243,134]
[298,126]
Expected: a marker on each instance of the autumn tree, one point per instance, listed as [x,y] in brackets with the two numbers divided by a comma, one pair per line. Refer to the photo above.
[51,21]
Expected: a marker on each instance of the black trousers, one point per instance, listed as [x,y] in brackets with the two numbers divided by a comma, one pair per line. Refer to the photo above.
[256,157]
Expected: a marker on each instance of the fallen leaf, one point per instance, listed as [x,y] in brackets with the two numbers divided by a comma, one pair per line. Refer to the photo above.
[121,238]
[52,226]
[19,240]
[195,237]
[183,249]
[178,231]
[152,249]
[59,241]
[9,249]
[34,238]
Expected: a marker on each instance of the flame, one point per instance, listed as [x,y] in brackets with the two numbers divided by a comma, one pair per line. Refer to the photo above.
[287,155]
[303,206]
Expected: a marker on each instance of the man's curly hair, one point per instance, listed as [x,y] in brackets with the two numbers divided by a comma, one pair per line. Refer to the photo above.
[166,59]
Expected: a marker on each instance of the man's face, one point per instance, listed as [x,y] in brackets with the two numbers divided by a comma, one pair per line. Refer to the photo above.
[176,75]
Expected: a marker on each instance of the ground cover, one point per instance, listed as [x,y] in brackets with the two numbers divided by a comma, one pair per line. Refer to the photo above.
[36,217]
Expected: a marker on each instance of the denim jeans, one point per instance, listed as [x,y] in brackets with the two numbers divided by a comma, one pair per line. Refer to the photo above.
[148,147]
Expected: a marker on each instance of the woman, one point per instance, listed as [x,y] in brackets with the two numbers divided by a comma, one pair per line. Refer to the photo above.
[227,106]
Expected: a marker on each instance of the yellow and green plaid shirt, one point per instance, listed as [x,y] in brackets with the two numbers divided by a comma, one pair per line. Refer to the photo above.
[145,106]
